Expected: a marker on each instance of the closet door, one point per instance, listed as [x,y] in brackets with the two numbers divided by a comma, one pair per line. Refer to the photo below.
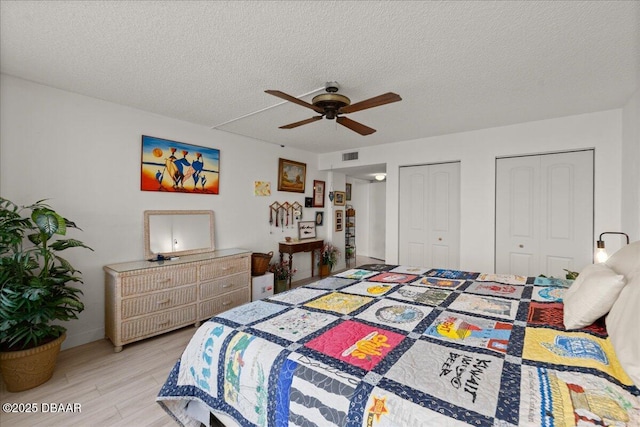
[544,213]
[429,213]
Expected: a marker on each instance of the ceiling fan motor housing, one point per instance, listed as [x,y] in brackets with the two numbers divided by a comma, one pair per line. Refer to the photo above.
[331,87]
[330,103]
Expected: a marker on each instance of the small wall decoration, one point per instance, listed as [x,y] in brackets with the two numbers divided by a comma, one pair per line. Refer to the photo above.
[283,215]
[318,193]
[319,218]
[291,175]
[261,188]
[339,219]
[308,202]
[348,191]
[306,230]
[339,198]
[178,167]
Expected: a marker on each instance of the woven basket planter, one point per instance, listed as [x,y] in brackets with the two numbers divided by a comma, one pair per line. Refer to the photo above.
[260,263]
[25,369]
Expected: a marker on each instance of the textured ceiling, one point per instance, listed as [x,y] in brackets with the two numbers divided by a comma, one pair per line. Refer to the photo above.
[457,65]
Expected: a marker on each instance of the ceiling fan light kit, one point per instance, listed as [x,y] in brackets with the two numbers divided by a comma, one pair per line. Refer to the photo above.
[332,105]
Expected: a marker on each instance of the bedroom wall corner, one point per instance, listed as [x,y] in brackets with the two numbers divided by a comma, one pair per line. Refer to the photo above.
[83,154]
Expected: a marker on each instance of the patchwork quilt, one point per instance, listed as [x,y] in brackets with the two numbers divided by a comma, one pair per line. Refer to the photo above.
[385,345]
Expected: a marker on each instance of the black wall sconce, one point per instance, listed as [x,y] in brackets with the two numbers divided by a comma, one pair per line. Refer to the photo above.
[601,252]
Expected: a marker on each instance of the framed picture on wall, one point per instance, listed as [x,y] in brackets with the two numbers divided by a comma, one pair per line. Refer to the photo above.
[339,199]
[306,230]
[319,218]
[177,167]
[348,191]
[291,176]
[339,218]
[318,193]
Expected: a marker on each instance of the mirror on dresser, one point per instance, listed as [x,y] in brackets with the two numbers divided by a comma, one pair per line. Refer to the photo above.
[177,232]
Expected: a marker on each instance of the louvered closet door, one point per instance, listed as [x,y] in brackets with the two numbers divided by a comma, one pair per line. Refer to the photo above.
[429,213]
[544,213]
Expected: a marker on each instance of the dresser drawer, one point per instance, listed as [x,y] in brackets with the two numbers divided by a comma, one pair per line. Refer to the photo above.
[224,302]
[147,326]
[150,281]
[150,303]
[224,267]
[223,285]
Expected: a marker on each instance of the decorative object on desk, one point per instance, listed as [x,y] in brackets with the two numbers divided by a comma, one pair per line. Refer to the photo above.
[328,258]
[319,218]
[339,198]
[34,292]
[318,193]
[197,171]
[281,274]
[260,263]
[339,219]
[287,239]
[348,192]
[291,175]
[261,188]
[601,252]
[306,230]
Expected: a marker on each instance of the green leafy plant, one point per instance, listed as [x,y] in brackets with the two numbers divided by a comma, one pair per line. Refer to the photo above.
[281,270]
[571,275]
[329,255]
[34,277]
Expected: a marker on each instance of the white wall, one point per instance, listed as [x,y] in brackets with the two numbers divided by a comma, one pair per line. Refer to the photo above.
[377,220]
[477,152]
[84,155]
[631,166]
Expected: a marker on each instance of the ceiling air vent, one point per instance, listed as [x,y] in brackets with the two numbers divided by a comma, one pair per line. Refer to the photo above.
[349,156]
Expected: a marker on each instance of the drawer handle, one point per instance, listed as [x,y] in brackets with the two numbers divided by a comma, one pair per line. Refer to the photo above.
[168,279]
[166,322]
[227,285]
[164,301]
[226,303]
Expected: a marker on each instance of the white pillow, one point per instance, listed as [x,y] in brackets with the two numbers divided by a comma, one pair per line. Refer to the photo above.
[591,295]
[626,259]
[623,324]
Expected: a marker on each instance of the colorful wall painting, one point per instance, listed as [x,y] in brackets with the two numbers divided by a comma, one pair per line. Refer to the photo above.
[177,167]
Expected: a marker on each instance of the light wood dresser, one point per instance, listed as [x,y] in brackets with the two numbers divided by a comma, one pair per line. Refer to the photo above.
[147,298]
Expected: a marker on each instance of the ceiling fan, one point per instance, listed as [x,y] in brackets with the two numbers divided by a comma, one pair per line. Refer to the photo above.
[332,105]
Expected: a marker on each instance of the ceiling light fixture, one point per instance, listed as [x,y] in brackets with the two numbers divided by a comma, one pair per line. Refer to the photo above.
[380,176]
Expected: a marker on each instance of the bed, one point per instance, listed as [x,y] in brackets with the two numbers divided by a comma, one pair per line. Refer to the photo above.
[393,345]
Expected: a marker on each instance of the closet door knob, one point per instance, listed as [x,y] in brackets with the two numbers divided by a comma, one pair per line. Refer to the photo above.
[521,246]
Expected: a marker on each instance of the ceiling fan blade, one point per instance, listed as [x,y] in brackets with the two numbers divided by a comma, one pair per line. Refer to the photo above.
[355,126]
[293,99]
[376,101]
[301,122]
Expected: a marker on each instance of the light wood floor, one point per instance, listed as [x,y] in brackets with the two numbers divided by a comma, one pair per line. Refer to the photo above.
[113,389]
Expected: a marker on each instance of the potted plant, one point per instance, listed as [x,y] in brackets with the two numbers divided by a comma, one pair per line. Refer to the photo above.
[328,258]
[281,274]
[34,292]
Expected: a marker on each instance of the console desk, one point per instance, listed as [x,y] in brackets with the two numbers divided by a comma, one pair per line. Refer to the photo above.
[299,246]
